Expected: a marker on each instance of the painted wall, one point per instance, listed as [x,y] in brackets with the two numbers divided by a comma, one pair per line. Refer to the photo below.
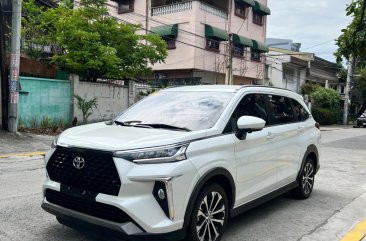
[112,99]
[44,98]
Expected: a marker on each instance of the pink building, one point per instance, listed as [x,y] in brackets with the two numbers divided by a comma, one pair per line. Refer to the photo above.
[197,34]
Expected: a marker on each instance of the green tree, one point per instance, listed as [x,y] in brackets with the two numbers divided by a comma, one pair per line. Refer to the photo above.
[326,103]
[86,106]
[326,98]
[352,40]
[95,44]
[309,88]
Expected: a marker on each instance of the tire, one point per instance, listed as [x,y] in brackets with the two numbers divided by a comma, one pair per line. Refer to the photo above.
[305,180]
[209,215]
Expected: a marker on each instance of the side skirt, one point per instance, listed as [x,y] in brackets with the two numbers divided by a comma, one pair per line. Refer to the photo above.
[247,206]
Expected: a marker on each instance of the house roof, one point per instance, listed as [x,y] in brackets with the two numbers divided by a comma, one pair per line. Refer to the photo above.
[300,55]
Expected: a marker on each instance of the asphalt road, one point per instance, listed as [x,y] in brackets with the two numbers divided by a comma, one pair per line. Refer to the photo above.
[337,204]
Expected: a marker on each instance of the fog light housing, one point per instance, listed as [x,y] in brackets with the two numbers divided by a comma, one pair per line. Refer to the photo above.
[160,195]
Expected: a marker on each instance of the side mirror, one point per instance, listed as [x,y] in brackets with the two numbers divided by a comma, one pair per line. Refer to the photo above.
[248,124]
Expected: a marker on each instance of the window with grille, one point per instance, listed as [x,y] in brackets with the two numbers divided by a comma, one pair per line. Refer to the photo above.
[212,45]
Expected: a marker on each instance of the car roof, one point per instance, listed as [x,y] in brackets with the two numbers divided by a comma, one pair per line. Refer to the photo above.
[205,88]
[236,89]
[226,88]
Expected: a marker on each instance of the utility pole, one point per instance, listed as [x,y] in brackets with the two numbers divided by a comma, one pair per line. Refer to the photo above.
[147,17]
[351,68]
[348,84]
[229,60]
[4,87]
[14,66]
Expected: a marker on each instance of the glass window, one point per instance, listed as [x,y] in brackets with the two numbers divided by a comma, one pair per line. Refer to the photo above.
[258,18]
[282,109]
[170,42]
[239,50]
[256,56]
[125,6]
[241,9]
[194,110]
[288,74]
[250,105]
[301,114]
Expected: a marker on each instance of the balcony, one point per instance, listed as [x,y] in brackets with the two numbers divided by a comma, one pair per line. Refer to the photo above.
[213,10]
[172,8]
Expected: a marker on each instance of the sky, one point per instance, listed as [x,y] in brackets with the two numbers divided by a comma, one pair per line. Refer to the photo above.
[313,23]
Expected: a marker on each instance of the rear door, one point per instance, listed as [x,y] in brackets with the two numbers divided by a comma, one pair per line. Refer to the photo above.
[287,141]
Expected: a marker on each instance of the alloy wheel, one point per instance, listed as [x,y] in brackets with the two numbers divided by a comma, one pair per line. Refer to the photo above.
[308,178]
[211,217]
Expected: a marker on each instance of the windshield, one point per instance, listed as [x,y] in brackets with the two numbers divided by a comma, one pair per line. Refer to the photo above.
[187,110]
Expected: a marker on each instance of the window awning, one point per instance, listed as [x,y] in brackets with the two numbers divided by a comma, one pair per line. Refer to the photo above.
[259,47]
[166,30]
[249,2]
[215,33]
[263,9]
[240,40]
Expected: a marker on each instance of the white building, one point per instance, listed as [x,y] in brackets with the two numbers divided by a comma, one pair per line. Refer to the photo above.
[290,70]
[197,34]
[286,70]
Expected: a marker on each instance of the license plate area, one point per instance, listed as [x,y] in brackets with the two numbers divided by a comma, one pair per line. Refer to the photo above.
[77,192]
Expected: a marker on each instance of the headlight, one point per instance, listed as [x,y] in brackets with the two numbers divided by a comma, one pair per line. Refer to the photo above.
[162,154]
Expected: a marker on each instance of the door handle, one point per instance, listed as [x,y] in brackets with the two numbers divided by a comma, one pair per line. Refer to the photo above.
[270,136]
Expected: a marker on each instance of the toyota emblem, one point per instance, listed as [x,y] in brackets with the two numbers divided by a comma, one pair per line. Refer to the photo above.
[78,163]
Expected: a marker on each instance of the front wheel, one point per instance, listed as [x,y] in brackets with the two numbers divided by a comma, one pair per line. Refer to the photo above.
[306,180]
[210,214]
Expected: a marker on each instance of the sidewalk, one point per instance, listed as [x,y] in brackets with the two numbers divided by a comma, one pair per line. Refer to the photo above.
[335,127]
[23,143]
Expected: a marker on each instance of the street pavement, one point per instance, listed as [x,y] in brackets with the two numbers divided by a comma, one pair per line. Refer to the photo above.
[337,205]
[22,143]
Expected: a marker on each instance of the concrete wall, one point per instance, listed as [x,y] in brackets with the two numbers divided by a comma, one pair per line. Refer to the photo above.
[112,99]
[44,98]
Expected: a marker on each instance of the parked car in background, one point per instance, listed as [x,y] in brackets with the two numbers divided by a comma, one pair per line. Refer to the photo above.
[182,161]
[361,120]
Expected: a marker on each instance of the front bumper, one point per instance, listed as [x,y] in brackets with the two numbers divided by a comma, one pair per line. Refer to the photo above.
[136,198]
[129,230]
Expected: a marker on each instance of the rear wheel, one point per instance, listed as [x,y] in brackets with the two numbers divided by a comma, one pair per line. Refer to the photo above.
[306,180]
[210,214]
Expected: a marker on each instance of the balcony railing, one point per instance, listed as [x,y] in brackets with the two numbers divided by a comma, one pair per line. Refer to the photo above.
[172,8]
[213,10]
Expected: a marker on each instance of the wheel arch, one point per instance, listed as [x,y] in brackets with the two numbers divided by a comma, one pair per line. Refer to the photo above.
[220,176]
[311,152]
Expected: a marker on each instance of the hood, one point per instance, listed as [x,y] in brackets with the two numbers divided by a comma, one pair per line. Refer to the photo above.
[113,137]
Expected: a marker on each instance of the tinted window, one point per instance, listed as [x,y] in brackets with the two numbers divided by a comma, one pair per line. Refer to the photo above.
[282,109]
[194,110]
[250,105]
[301,114]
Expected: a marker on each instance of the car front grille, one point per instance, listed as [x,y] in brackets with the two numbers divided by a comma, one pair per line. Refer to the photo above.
[98,174]
[92,208]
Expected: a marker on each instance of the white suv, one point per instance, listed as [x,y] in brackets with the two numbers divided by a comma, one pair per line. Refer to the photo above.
[182,161]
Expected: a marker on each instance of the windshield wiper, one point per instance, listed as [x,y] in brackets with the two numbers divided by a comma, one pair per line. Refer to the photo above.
[164,126]
[126,123]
